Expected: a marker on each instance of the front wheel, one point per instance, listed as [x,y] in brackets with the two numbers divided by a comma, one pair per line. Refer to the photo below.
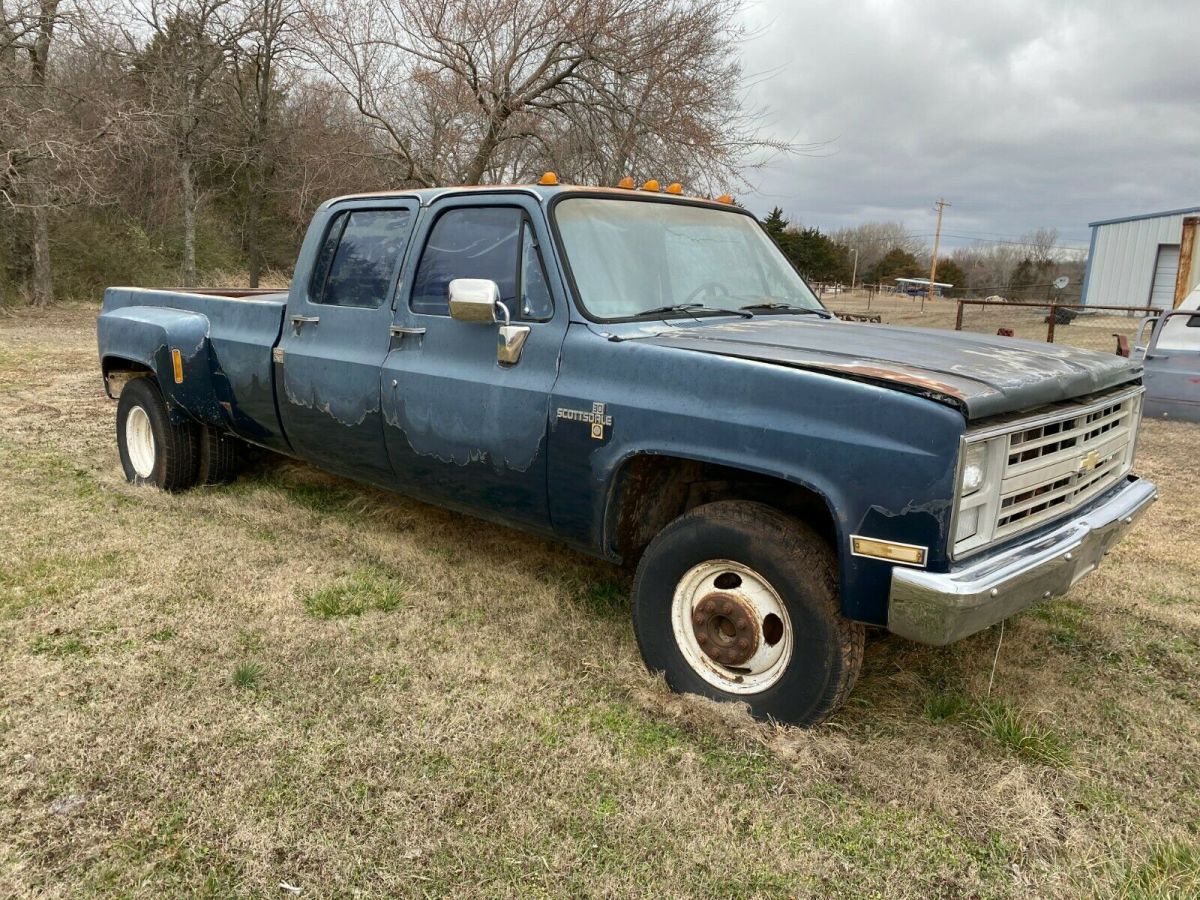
[154,450]
[738,601]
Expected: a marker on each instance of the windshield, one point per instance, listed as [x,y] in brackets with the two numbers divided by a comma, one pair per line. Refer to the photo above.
[632,258]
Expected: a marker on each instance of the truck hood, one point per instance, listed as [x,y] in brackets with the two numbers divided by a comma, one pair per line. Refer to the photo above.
[981,375]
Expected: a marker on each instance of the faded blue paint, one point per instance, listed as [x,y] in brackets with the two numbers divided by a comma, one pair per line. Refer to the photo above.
[867,419]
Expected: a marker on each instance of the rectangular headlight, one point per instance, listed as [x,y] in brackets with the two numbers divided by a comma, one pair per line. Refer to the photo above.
[978,491]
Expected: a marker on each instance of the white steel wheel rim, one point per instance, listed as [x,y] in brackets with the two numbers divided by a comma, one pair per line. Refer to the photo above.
[139,441]
[753,598]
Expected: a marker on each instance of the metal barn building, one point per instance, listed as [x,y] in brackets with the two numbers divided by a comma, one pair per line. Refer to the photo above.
[1134,261]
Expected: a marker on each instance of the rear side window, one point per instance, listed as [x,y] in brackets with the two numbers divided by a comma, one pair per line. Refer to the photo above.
[356,265]
[468,243]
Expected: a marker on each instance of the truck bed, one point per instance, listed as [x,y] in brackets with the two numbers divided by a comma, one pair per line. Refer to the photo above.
[241,325]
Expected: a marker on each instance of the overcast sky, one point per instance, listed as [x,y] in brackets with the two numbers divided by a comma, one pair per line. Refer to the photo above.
[1021,114]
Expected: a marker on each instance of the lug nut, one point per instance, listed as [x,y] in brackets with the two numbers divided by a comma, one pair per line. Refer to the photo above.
[726,608]
[699,618]
[742,623]
[702,638]
[743,644]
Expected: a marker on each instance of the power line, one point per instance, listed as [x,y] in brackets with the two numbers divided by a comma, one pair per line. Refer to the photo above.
[979,240]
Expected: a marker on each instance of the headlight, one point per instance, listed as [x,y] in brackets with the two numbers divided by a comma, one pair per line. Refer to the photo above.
[974,468]
[978,501]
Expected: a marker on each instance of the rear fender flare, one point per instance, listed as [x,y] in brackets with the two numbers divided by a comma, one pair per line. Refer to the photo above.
[147,336]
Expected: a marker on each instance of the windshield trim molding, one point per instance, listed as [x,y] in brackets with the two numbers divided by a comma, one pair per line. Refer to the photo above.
[643,197]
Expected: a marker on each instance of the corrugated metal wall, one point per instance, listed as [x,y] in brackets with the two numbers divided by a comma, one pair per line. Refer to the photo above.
[1123,256]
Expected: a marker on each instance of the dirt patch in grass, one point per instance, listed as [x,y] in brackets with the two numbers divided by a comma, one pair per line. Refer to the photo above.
[297,679]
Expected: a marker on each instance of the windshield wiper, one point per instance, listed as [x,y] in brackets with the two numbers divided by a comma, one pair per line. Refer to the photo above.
[692,308]
[788,307]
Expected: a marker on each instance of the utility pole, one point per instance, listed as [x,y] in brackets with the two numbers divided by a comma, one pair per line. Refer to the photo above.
[854,271]
[937,238]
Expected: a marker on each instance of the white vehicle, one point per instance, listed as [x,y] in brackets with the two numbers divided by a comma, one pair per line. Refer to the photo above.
[1171,358]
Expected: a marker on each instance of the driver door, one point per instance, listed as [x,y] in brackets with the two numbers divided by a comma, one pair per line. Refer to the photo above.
[462,428]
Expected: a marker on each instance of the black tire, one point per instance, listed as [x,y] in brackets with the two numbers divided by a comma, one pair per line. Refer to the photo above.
[827,648]
[219,456]
[175,446]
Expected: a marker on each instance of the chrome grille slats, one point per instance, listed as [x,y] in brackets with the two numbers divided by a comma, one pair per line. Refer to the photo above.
[1057,465]
[1041,465]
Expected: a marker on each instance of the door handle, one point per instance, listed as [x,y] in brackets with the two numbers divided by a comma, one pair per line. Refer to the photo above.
[402,330]
[299,322]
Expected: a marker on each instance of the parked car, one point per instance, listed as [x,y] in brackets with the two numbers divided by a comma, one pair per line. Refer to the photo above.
[1171,357]
[643,376]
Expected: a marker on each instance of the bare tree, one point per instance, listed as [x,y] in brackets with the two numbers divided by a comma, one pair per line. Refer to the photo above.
[1041,246]
[874,240]
[31,146]
[257,87]
[472,90]
[177,72]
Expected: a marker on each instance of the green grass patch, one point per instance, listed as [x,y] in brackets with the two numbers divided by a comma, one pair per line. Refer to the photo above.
[351,595]
[248,675]
[56,576]
[946,706]
[1171,871]
[59,646]
[633,730]
[1014,731]
[606,598]
[320,498]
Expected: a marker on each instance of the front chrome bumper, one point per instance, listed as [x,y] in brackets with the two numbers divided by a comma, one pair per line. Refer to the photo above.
[938,608]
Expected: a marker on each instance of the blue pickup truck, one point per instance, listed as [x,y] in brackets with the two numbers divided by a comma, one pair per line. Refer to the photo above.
[643,376]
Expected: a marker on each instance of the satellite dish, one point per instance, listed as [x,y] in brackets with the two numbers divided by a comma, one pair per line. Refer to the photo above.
[1061,282]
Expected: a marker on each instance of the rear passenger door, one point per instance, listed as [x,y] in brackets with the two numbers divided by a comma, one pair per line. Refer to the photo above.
[463,429]
[336,337]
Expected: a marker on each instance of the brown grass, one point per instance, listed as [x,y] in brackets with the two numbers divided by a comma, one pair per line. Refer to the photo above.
[297,679]
[1091,331]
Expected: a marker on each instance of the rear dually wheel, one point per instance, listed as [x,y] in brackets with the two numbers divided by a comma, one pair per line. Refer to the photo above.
[154,450]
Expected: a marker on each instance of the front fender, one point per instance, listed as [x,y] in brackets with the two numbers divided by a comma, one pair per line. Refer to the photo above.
[146,336]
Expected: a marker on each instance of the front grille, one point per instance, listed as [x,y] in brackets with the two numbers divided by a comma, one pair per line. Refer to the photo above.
[1054,466]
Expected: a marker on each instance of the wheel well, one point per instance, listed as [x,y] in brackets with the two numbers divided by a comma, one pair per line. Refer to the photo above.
[118,371]
[651,491]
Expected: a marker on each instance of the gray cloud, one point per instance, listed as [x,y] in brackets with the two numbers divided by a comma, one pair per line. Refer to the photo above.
[1022,114]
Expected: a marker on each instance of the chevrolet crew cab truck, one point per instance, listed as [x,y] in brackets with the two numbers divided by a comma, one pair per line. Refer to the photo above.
[644,377]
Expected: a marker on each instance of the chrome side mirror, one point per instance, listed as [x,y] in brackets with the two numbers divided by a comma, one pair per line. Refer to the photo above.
[474,299]
[478,300]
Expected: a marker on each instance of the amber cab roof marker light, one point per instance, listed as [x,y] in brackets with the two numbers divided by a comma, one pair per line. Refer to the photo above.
[674,188]
[651,185]
[725,198]
[548,178]
[626,183]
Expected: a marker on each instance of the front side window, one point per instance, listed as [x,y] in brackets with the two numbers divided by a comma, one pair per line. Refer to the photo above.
[357,263]
[468,243]
[496,243]
[634,257]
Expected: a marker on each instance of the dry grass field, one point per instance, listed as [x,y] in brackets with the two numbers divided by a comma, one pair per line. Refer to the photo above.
[295,680]
[1091,331]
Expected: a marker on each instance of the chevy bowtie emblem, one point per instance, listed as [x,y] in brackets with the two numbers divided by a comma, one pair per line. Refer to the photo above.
[1090,460]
